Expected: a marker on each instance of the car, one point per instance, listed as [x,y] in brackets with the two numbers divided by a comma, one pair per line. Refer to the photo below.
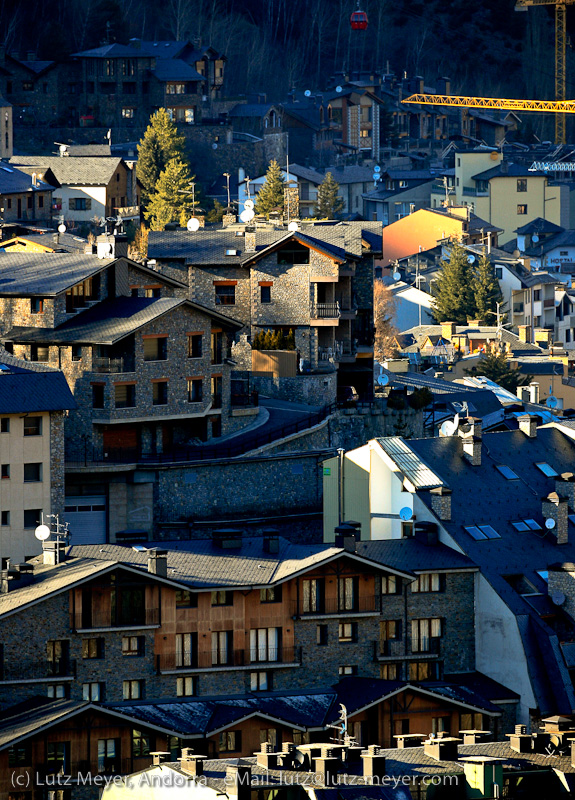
[347,395]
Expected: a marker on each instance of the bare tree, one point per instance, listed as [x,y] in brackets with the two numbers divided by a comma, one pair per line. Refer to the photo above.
[384,308]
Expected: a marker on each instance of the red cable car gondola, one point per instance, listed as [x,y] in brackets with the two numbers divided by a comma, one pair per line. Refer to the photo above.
[358,20]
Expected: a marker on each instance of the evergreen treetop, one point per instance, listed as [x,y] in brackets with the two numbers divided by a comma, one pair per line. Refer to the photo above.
[172,200]
[496,367]
[160,144]
[271,196]
[486,292]
[328,204]
[454,301]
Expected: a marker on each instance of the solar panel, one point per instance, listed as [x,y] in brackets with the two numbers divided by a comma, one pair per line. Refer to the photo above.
[507,472]
[475,533]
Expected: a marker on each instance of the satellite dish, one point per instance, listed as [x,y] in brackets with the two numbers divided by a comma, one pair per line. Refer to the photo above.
[535,238]
[61,228]
[549,524]
[396,276]
[448,428]
[215,146]
[471,259]
[249,204]
[376,176]
[405,514]
[338,89]
[42,533]
[383,380]
[62,149]
[307,93]
[193,224]
[551,402]
[558,598]
[377,168]
[247,215]
[293,226]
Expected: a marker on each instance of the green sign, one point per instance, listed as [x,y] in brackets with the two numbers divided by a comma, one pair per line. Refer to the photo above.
[327,470]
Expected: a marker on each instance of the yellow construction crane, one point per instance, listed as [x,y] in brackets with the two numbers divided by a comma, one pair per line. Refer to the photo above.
[560,46]
[552,106]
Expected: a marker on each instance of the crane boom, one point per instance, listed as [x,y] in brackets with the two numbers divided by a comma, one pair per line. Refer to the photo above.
[549,106]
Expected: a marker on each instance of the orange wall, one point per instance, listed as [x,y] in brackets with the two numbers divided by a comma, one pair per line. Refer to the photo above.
[422,229]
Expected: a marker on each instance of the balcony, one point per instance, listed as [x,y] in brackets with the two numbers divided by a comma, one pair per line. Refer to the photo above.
[518,308]
[389,649]
[327,311]
[113,365]
[332,607]
[98,620]
[549,303]
[268,657]
[38,670]
[128,212]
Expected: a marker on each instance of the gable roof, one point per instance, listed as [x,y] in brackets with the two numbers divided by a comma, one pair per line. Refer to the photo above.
[48,274]
[13,180]
[539,225]
[114,50]
[421,333]
[26,388]
[20,723]
[85,171]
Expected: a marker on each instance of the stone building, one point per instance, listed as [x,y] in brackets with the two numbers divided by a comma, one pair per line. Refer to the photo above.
[25,197]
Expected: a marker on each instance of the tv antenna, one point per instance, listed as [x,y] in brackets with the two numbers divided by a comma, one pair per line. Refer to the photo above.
[60,530]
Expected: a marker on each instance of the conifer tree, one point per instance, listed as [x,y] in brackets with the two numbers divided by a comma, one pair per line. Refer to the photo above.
[161,143]
[486,291]
[271,196]
[172,197]
[328,204]
[496,367]
[453,292]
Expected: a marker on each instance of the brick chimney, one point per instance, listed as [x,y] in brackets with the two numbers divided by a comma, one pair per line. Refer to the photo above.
[327,765]
[192,763]
[565,487]
[158,562]
[441,503]
[469,432]
[448,329]
[442,748]
[555,507]
[249,242]
[373,762]
[528,424]
[524,333]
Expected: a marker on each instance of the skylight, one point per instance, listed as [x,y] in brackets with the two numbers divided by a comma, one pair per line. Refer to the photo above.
[490,532]
[507,472]
[544,574]
[546,469]
[532,525]
[572,519]
[475,533]
[482,532]
[520,526]
[231,252]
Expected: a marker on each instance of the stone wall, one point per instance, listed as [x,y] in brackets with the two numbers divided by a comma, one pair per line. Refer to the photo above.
[314,390]
[57,462]
[562,582]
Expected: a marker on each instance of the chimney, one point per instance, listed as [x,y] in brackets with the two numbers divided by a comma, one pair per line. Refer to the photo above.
[555,507]
[249,241]
[227,220]
[158,562]
[475,737]
[524,333]
[192,763]
[565,487]
[159,757]
[442,748]
[520,741]
[406,740]
[528,425]
[326,765]
[373,762]
[448,329]
[4,582]
[54,553]
[470,433]
[238,780]
[441,503]
[443,86]
[266,758]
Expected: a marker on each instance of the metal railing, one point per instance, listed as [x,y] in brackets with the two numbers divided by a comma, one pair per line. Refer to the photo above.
[103,619]
[325,311]
[401,648]
[113,365]
[338,607]
[60,668]
[172,662]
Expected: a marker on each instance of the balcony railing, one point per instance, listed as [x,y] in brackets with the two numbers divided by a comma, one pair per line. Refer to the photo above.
[39,670]
[232,659]
[127,211]
[325,311]
[549,303]
[101,619]
[399,648]
[113,365]
[518,308]
[334,607]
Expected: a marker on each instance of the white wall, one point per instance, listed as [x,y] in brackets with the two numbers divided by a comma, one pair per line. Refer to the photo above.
[408,300]
[97,195]
[386,495]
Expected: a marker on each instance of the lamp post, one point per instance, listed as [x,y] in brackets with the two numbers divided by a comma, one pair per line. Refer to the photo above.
[227,177]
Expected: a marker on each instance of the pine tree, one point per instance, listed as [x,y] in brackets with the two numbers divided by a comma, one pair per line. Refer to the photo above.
[328,204]
[453,294]
[486,291]
[172,197]
[161,143]
[271,196]
[216,213]
[496,367]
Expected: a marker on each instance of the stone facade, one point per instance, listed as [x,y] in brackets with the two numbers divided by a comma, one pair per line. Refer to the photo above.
[314,390]
[57,421]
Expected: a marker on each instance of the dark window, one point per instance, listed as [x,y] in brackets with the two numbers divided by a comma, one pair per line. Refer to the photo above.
[272,594]
[30,201]
[225,295]
[294,253]
[98,395]
[93,648]
[125,395]
[32,517]
[313,596]
[537,294]
[5,425]
[195,390]
[80,203]
[422,671]
[216,391]
[32,426]
[321,634]
[265,294]
[160,393]
[195,345]
[36,305]
[499,273]
[186,599]
[5,518]
[57,654]
[140,744]
[217,347]
[20,756]
[156,348]
[58,691]
[58,757]
[5,472]
[40,201]
[76,352]
[522,184]
[33,472]
[109,755]
[222,598]
[27,86]
[230,741]
[39,352]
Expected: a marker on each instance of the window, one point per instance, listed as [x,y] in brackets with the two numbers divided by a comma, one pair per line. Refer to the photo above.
[127,113]
[140,744]
[32,426]
[39,352]
[546,469]
[125,395]
[260,681]
[389,629]
[222,642]
[271,736]
[422,671]
[175,88]
[222,598]
[532,525]
[80,203]
[522,208]
[271,594]
[160,393]
[5,425]
[568,335]
[132,690]
[186,599]
[217,351]
[33,473]
[186,687]
[321,634]
[225,294]
[401,727]
[195,390]
[93,648]
[57,655]
[216,383]
[348,594]
[57,691]
[471,722]
[389,672]
[230,741]
[422,633]
[295,253]
[347,670]
[108,755]
[195,345]
[5,472]
[440,725]
[348,632]
[522,184]
[265,644]
[536,294]
[57,757]
[155,348]
[499,273]
[313,596]
[98,395]
[185,649]
[507,472]
[390,584]
[32,517]
[92,691]
[563,252]
[20,756]
[5,518]
[27,86]
[30,200]
[429,582]
[482,532]
[152,291]
[265,294]
[76,352]
[133,645]
[36,305]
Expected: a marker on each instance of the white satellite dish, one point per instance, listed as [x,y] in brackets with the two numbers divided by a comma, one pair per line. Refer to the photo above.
[558,598]
[551,402]
[405,514]
[307,93]
[193,225]
[377,168]
[42,533]
[338,89]
[249,204]
[447,428]
[535,238]
[396,276]
[293,226]
[61,228]
[471,259]
[549,524]
[247,215]
[376,176]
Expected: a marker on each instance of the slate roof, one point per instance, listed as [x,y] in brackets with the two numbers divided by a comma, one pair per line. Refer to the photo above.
[256,110]
[421,332]
[539,225]
[59,242]
[17,724]
[114,50]
[351,174]
[26,390]
[14,181]
[47,274]
[307,174]
[37,66]
[174,69]
[508,171]
[87,171]
[91,150]
[564,238]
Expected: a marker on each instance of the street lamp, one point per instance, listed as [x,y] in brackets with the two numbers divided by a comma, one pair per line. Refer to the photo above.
[227,177]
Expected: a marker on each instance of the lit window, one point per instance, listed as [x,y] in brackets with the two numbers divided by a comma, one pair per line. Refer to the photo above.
[507,472]
[347,670]
[522,209]
[128,113]
[390,584]
[186,687]
[546,469]
[428,582]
